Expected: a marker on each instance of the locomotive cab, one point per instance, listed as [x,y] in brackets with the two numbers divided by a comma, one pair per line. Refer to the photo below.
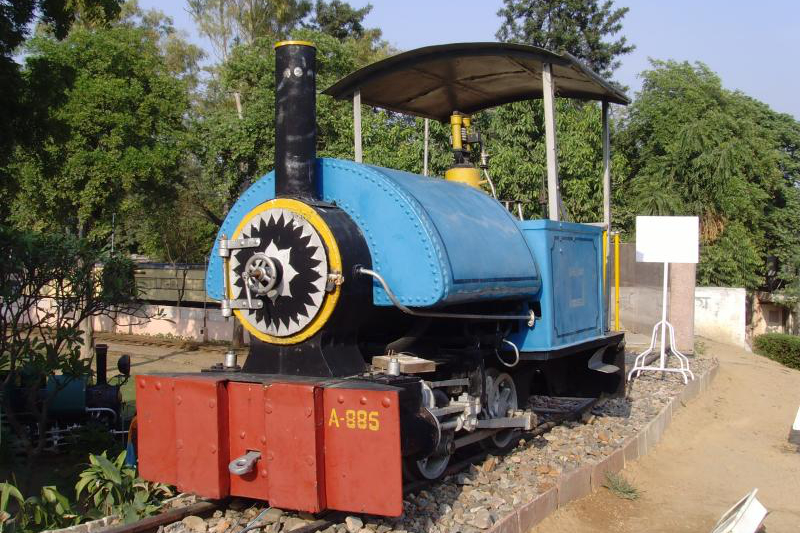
[393,318]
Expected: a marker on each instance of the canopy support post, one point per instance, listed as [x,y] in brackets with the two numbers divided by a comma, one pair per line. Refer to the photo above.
[425,155]
[359,156]
[551,146]
[606,169]
[606,203]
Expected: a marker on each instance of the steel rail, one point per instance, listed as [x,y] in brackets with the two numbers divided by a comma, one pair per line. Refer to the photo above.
[152,523]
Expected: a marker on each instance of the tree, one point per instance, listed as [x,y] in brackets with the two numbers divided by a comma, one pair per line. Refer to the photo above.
[696,148]
[109,131]
[274,18]
[578,26]
[16,20]
[186,241]
[49,285]
[230,22]
[339,19]
[181,57]
[516,143]
[516,131]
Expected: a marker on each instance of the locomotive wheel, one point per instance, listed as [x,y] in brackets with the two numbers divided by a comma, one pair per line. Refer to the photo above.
[433,466]
[430,468]
[501,397]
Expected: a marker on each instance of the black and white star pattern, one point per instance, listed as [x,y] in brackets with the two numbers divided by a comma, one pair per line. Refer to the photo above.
[291,240]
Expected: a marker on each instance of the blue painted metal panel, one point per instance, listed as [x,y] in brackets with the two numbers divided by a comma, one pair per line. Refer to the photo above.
[570,258]
[434,241]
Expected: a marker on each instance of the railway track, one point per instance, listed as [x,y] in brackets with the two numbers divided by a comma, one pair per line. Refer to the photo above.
[326,519]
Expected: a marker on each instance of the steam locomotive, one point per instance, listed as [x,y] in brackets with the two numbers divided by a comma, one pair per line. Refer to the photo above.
[393,318]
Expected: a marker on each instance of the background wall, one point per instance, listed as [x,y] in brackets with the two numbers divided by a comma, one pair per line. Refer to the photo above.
[721,314]
[183,322]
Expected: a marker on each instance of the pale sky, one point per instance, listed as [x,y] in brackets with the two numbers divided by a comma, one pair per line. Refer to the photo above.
[752,46]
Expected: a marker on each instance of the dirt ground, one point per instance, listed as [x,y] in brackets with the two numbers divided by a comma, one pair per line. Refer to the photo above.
[160,358]
[147,357]
[729,440]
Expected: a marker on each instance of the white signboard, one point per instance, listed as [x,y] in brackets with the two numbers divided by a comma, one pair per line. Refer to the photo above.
[667,239]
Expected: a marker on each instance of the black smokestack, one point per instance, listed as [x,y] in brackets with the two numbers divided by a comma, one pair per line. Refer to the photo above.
[100,357]
[295,120]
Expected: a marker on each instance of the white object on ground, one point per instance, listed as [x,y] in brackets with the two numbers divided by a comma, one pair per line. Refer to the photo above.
[665,240]
[744,517]
[794,433]
[639,363]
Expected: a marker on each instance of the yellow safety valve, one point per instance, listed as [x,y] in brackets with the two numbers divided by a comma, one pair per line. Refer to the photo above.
[464,174]
[455,127]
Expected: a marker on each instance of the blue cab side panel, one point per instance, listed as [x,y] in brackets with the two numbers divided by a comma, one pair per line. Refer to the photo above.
[434,241]
[570,258]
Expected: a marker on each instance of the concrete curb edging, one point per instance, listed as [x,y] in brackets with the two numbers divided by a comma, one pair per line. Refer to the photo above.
[584,480]
[87,527]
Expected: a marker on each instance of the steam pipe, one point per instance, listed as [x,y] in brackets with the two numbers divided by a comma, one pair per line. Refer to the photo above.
[529,318]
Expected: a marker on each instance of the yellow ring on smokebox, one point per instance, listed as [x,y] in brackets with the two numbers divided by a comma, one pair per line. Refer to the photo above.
[334,265]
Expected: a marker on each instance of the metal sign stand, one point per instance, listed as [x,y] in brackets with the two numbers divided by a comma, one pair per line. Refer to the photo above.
[639,364]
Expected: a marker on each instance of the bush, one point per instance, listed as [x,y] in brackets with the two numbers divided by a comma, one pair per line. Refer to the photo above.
[780,347]
[107,486]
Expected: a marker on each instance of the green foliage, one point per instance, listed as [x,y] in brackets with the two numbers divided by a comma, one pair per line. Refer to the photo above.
[339,19]
[94,437]
[620,487]
[695,148]
[230,22]
[780,347]
[108,487]
[116,122]
[108,131]
[516,131]
[55,283]
[9,494]
[699,347]
[16,20]
[112,488]
[231,152]
[49,510]
[518,165]
[577,26]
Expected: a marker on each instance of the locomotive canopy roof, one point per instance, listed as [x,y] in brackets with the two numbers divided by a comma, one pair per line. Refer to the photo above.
[434,81]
